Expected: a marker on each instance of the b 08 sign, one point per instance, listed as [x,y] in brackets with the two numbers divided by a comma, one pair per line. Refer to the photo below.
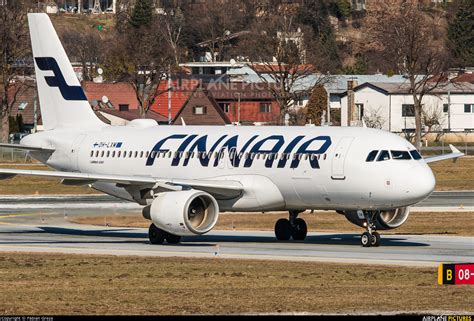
[456,274]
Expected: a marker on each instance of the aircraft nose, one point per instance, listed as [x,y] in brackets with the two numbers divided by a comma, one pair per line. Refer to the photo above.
[422,183]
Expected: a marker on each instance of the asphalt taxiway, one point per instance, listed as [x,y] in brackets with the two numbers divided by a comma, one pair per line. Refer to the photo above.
[52,232]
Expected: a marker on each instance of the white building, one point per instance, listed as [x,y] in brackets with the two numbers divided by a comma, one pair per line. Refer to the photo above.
[392,104]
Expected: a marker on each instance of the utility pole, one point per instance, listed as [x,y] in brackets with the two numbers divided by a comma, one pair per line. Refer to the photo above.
[35,109]
[238,110]
[449,110]
[169,95]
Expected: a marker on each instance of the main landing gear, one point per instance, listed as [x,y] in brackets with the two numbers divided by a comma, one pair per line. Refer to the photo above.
[158,236]
[294,227]
[371,237]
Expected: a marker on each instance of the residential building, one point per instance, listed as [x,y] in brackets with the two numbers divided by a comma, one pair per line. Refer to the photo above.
[450,106]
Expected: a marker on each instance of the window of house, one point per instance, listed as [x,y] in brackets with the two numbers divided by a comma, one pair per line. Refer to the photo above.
[445,108]
[408,110]
[265,107]
[225,107]
[360,111]
[469,108]
[199,110]
[123,107]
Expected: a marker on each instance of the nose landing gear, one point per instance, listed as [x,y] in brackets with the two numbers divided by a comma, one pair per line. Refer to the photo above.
[371,237]
[294,227]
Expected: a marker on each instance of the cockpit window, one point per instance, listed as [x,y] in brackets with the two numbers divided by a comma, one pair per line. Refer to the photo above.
[372,156]
[400,155]
[415,155]
[383,156]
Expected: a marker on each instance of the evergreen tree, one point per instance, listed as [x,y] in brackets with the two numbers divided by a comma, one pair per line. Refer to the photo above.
[317,105]
[315,14]
[461,33]
[142,13]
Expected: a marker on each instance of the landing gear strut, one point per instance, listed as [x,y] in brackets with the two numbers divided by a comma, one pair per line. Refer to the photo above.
[371,237]
[294,227]
[158,236]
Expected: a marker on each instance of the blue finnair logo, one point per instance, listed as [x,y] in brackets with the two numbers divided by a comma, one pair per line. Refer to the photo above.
[254,145]
[68,92]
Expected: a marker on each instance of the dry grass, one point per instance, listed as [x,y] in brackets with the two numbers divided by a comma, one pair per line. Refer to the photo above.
[418,223]
[30,185]
[49,284]
[458,176]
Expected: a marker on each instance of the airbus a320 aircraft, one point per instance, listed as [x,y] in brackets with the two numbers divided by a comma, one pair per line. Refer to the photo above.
[185,175]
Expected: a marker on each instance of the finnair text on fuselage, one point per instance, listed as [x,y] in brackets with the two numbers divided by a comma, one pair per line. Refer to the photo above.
[270,145]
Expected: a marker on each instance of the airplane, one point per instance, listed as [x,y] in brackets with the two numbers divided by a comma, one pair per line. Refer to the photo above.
[184,176]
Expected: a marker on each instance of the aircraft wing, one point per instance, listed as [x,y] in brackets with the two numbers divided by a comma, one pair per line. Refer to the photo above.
[27,148]
[454,155]
[221,187]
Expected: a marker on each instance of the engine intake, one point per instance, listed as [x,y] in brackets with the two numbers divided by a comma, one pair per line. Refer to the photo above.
[183,213]
[384,220]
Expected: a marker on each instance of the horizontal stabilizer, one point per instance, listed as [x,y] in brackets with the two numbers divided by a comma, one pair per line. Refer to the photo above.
[27,148]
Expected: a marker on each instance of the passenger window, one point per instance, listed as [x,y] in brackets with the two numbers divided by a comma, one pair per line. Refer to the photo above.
[92,153]
[136,154]
[372,156]
[102,154]
[97,154]
[400,155]
[119,153]
[415,155]
[147,154]
[384,155]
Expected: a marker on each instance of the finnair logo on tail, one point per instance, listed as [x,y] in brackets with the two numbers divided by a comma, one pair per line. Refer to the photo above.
[68,92]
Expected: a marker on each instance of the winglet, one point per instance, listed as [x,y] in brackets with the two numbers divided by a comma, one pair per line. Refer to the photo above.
[454,149]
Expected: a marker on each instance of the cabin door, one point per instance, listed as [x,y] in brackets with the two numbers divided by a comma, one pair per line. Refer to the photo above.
[339,158]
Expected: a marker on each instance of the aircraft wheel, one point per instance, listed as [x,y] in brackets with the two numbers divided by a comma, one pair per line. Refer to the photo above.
[156,235]
[375,239]
[283,229]
[172,239]
[300,230]
[366,239]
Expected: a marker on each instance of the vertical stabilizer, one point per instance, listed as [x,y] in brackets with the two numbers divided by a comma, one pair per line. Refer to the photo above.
[63,102]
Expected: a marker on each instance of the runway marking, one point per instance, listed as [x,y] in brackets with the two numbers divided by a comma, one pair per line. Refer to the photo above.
[26,215]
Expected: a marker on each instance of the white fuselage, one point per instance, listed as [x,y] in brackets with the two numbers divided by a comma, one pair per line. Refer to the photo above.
[279,167]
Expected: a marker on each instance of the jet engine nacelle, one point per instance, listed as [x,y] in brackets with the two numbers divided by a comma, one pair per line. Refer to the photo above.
[183,213]
[384,220]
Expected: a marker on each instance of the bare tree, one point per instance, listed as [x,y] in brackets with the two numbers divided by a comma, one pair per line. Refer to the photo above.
[374,119]
[412,41]
[14,45]
[84,47]
[173,21]
[212,22]
[277,52]
[138,57]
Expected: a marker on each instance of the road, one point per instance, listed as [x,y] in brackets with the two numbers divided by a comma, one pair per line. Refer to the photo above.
[52,232]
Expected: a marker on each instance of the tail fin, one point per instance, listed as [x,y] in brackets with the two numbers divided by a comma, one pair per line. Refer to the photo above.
[63,102]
